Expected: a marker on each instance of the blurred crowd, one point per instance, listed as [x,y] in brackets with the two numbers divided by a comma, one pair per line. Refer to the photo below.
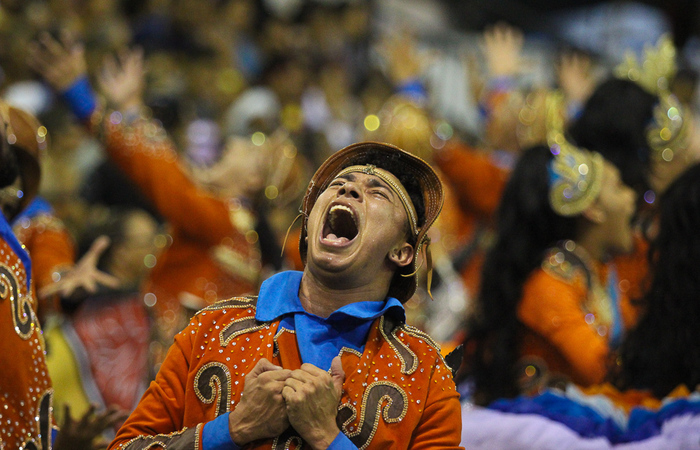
[186,132]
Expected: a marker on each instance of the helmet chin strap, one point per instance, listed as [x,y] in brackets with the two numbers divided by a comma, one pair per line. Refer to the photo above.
[286,236]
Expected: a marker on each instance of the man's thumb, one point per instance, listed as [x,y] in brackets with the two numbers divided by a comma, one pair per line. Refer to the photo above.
[337,373]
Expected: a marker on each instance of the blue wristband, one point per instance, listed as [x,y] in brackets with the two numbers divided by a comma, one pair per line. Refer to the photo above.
[81,98]
[342,442]
[216,436]
[413,89]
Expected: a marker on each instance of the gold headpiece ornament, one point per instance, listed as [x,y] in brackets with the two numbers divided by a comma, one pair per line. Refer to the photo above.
[655,72]
[668,131]
[575,174]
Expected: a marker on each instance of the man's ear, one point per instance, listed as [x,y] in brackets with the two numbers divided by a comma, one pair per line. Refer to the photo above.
[402,255]
[595,213]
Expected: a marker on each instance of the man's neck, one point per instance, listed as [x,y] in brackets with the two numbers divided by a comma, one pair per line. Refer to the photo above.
[320,299]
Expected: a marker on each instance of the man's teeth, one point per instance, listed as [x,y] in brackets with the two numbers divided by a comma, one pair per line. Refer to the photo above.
[344,208]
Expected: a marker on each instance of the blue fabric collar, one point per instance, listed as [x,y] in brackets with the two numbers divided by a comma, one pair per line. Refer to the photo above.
[9,236]
[322,338]
[35,208]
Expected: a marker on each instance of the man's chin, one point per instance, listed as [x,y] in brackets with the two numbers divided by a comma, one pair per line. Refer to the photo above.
[332,261]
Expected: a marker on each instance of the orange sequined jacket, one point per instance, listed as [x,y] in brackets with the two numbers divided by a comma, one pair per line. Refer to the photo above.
[566,322]
[213,252]
[25,388]
[397,394]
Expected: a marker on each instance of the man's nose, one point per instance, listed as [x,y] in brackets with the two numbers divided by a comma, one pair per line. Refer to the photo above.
[349,189]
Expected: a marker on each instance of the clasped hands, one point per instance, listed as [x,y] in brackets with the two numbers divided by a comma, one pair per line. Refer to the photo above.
[274,398]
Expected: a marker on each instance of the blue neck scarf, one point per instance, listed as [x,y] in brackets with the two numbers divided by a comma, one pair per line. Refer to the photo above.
[320,339]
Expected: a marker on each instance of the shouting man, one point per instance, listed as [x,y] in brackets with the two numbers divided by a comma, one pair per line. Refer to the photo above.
[321,358]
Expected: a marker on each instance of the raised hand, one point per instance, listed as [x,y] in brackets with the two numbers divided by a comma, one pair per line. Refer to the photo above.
[312,396]
[121,79]
[261,412]
[84,275]
[60,62]
[404,61]
[575,78]
[502,45]
[82,434]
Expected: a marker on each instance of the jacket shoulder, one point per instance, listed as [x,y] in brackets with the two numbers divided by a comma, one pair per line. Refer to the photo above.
[234,308]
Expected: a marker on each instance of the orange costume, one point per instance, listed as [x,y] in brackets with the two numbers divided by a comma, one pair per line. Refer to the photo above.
[398,392]
[633,271]
[569,320]
[213,252]
[25,401]
[50,245]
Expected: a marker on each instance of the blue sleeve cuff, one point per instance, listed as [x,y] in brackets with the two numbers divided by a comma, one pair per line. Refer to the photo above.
[342,442]
[215,435]
[81,98]
[413,89]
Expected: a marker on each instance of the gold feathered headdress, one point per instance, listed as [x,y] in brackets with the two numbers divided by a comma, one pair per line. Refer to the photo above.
[668,131]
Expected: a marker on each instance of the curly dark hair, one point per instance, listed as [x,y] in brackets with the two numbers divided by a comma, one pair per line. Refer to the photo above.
[663,350]
[526,227]
[614,122]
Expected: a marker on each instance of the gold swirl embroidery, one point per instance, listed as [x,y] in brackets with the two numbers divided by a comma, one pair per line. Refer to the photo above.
[23,317]
[391,405]
[349,350]
[213,383]
[44,425]
[197,433]
[178,439]
[233,303]
[286,439]
[276,347]
[238,327]
[409,362]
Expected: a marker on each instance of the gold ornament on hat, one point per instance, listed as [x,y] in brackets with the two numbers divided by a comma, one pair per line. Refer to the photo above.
[575,174]
[668,132]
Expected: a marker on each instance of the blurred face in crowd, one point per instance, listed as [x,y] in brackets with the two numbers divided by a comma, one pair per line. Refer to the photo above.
[135,253]
[244,166]
[616,202]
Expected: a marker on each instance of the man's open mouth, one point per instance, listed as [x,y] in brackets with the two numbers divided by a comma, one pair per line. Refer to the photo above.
[340,227]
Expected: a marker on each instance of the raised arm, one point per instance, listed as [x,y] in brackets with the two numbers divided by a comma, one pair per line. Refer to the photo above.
[501,46]
[139,146]
[574,73]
